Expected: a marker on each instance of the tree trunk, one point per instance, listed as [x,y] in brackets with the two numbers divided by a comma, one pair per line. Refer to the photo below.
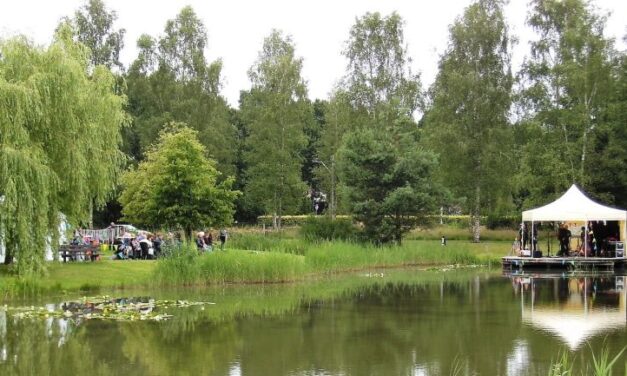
[190,233]
[8,256]
[476,216]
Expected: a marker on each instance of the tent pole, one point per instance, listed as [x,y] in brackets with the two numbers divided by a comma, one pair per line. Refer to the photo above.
[533,245]
[585,240]
[522,235]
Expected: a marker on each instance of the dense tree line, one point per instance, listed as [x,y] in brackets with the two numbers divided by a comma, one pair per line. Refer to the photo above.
[482,139]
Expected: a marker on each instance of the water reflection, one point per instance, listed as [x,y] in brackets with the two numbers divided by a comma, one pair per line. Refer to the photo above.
[574,309]
[405,324]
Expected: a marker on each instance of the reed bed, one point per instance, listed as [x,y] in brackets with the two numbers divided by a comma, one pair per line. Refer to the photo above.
[600,364]
[455,233]
[338,256]
[187,267]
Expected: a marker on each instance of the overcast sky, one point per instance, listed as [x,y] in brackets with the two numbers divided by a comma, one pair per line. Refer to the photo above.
[236,29]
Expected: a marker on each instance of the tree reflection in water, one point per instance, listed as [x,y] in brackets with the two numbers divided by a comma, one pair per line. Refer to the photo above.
[406,323]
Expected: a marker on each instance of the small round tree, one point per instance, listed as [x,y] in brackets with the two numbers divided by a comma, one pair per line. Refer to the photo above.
[177,186]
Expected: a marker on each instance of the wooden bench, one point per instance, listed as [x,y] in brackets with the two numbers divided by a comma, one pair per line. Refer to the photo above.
[73,252]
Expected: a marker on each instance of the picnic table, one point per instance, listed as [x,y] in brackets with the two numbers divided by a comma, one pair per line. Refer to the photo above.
[79,252]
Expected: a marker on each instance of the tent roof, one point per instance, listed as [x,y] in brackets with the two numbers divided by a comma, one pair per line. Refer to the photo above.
[574,329]
[574,205]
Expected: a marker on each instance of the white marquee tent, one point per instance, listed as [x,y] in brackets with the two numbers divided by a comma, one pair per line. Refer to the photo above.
[574,205]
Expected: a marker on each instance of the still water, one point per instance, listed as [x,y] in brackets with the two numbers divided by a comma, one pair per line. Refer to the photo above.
[385,323]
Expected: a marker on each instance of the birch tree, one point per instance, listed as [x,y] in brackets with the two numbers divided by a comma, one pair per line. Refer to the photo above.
[467,123]
[172,80]
[275,111]
[566,85]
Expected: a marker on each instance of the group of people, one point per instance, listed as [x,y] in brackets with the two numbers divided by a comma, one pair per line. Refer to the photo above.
[143,246]
[204,241]
[595,241]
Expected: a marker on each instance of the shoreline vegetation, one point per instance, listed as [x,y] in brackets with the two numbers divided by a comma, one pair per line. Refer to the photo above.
[254,257]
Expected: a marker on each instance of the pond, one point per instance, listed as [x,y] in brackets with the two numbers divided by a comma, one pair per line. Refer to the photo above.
[406,322]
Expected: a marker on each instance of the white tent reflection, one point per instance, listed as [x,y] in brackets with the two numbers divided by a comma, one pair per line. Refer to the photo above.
[578,318]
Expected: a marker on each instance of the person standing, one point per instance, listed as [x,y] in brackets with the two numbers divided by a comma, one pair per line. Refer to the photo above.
[111,235]
[223,236]
[209,241]
[200,242]
[564,234]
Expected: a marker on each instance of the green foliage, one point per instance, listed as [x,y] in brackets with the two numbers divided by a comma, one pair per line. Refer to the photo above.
[180,266]
[93,27]
[601,364]
[257,267]
[378,66]
[268,242]
[177,186]
[171,80]
[562,367]
[461,232]
[336,117]
[388,182]
[568,90]
[275,111]
[54,120]
[471,99]
[334,257]
[495,221]
[317,229]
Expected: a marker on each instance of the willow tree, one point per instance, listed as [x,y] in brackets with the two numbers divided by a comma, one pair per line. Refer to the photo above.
[467,123]
[59,142]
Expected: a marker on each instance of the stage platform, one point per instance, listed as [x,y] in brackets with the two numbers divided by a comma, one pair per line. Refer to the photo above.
[568,263]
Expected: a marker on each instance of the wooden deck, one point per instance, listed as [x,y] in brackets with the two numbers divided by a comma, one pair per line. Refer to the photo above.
[567,263]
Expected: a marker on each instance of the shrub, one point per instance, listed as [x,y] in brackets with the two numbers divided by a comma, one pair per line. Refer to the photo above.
[316,229]
[495,221]
[291,220]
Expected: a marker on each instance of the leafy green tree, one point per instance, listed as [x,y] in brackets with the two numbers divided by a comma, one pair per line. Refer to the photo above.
[275,111]
[608,159]
[335,117]
[568,82]
[59,142]
[389,183]
[176,186]
[171,80]
[468,121]
[93,27]
[378,92]
[378,66]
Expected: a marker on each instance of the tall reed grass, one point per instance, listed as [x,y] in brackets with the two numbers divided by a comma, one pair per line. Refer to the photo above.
[274,242]
[601,363]
[338,256]
[188,267]
[453,233]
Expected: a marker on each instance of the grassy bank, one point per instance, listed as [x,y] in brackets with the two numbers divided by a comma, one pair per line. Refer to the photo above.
[277,264]
[259,259]
[85,276]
